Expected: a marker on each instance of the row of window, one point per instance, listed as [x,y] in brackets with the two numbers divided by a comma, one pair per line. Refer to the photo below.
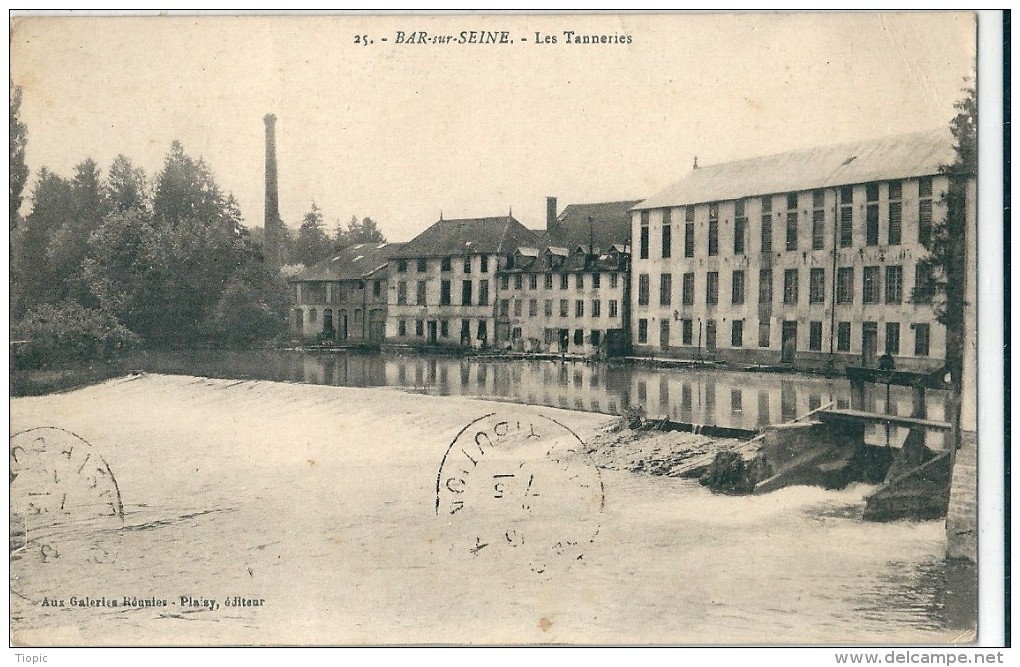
[894,227]
[315,292]
[445,264]
[922,335]
[791,286]
[563,281]
[445,291]
[564,311]
[441,329]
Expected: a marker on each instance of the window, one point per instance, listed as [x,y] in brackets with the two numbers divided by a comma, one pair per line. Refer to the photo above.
[872,283]
[447,264]
[483,330]
[818,229]
[892,337]
[596,280]
[401,292]
[846,218]
[402,266]
[465,293]
[518,307]
[667,235]
[579,308]
[644,234]
[791,201]
[422,265]
[485,263]
[548,281]
[766,224]
[642,330]
[738,287]
[548,307]
[563,281]
[710,332]
[764,333]
[613,280]
[483,293]
[420,293]
[816,289]
[712,288]
[614,308]
[643,289]
[737,333]
[894,284]
[923,291]
[533,281]
[815,336]
[713,229]
[665,289]
[843,337]
[401,328]
[791,230]
[444,328]
[376,288]
[578,336]
[689,231]
[687,331]
[533,308]
[596,308]
[564,308]
[504,283]
[765,286]
[504,307]
[845,285]
[739,228]
[922,339]
[895,190]
[518,281]
[688,289]
[872,224]
[419,328]
[818,199]
[467,265]
[924,190]
[790,286]
[444,293]
[895,222]
[579,282]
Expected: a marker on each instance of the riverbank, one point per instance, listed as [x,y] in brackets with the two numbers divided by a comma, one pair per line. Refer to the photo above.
[320,503]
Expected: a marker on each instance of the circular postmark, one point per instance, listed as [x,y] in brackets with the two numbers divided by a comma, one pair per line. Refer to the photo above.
[519,483]
[60,485]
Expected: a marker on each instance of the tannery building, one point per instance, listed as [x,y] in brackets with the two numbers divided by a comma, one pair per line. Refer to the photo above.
[806,258]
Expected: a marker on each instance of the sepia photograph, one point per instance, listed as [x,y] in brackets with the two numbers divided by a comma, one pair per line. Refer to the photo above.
[623,329]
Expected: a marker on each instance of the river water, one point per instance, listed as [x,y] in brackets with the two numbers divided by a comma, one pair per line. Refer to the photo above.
[735,399]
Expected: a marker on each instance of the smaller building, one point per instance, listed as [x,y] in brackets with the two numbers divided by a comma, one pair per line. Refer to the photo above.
[570,295]
[342,300]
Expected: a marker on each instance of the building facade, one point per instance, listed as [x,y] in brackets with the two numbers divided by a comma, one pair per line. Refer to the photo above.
[342,300]
[808,259]
[442,291]
[571,295]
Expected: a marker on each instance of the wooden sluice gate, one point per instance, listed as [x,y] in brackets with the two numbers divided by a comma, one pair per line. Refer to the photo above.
[827,447]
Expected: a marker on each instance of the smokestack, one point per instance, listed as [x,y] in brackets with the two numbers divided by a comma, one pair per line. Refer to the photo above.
[550,213]
[273,222]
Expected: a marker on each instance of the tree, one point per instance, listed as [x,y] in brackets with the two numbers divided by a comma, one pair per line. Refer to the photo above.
[185,189]
[311,244]
[125,186]
[366,231]
[35,281]
[18,167]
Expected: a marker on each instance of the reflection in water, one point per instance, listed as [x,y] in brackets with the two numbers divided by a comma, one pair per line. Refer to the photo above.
[688,395]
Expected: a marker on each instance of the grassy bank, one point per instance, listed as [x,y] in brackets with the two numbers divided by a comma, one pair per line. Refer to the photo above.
[42,381]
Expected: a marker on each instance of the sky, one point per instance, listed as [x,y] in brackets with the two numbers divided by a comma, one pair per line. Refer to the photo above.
[405,132]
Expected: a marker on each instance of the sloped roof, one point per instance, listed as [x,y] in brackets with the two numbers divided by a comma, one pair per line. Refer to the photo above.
[352,263]
[900,156]
[610,224]
[468,236]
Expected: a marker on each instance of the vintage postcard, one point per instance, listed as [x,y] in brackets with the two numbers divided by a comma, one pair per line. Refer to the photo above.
[467,329]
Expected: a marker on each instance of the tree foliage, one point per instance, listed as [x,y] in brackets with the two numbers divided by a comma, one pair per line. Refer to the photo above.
[311,244]
[67,331]
[366,231]
[18,167]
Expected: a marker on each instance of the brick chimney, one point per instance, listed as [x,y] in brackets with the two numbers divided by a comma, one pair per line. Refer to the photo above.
[273,223]
[550,214]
